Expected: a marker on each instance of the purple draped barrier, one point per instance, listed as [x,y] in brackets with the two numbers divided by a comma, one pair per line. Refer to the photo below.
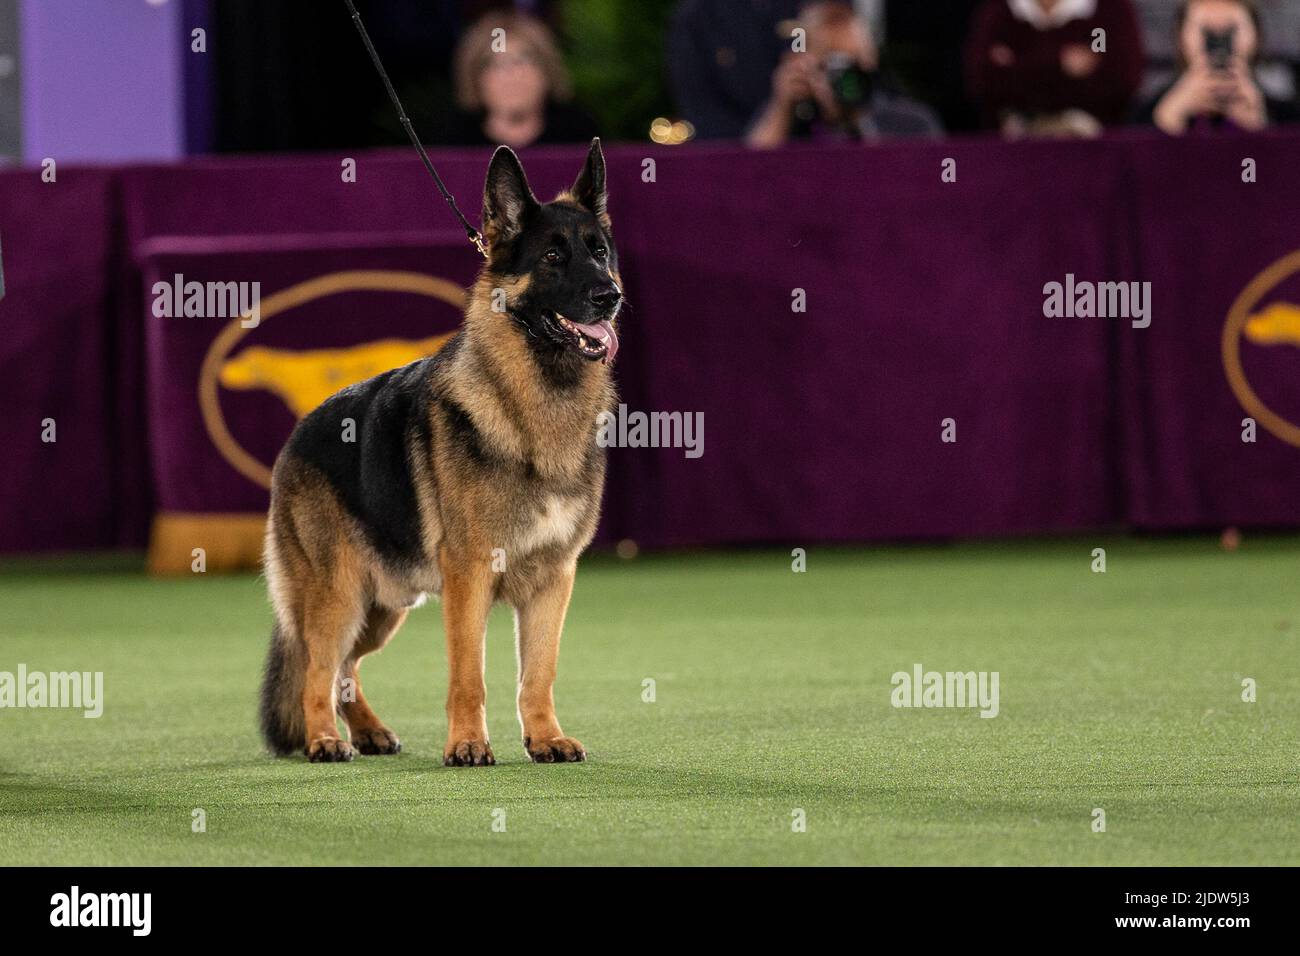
[71,445]
[1205,238]
[832,314]
[923,303]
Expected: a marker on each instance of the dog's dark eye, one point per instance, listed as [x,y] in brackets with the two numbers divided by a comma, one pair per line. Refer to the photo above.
[600,252]
[552,255]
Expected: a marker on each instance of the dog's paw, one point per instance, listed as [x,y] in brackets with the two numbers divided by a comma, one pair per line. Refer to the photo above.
[376,740]
[330,750]
[468,753]
[555,750]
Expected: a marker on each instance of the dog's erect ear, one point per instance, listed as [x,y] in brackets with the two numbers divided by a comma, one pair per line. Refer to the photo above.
[507,200]
[589,188]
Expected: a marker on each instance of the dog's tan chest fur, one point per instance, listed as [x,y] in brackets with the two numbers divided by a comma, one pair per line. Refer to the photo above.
[555,524]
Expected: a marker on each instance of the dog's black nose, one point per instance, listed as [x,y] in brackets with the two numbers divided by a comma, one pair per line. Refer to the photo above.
[605,296]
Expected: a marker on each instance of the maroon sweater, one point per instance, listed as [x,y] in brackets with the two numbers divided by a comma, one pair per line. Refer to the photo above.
[1035,82]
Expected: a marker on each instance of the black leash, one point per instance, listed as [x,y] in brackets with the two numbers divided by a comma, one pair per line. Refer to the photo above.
[474,235]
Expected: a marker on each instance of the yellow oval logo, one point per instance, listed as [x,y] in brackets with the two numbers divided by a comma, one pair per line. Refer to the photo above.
[1270,323]
[302,379]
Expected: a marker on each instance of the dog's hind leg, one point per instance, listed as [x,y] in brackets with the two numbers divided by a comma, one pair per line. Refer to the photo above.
[538,622]
[369,735]
[331,622]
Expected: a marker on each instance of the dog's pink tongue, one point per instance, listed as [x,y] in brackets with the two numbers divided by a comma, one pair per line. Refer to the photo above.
[604,332]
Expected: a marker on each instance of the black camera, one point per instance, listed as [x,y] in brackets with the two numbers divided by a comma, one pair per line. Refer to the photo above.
[851,85]
[1219,46]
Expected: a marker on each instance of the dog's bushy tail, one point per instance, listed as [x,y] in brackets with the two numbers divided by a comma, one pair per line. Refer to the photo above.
[283,725]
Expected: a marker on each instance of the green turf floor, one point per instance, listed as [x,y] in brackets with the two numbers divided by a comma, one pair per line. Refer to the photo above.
[1119,691]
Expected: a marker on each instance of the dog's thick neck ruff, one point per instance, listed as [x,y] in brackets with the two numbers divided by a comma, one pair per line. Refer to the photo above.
[531,402]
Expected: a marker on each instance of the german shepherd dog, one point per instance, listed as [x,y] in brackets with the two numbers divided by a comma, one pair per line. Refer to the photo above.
[474,474]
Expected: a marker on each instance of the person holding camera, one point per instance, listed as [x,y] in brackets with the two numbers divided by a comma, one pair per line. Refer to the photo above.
[832,89]
[1218,43]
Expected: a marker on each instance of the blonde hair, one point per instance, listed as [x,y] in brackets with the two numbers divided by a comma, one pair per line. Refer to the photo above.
[475,47]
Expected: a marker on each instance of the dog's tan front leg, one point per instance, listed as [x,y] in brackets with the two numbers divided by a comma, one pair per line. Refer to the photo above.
[466,599]
[539,621]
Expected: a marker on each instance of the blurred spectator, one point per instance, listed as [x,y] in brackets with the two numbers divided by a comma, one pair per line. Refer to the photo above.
[835,89]
[1031,65]
[517,96]
[1218,45]
[721,54]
